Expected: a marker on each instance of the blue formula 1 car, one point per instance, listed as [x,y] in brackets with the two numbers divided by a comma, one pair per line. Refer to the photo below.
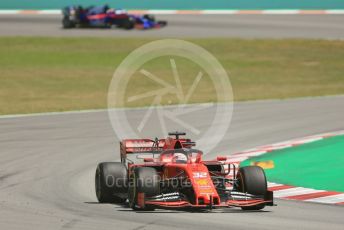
[106,17]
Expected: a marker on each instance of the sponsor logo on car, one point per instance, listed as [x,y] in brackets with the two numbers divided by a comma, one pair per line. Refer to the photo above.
[200,175]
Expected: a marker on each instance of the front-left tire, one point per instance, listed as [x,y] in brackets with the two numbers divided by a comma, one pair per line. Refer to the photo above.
[111,182]
[252,180]
[143,180]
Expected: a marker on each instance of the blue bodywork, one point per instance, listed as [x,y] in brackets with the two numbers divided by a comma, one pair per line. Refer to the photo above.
[144,22]
[104,16]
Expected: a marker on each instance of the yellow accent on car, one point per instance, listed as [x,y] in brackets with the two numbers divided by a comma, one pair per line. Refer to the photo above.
[202,182]
[264,164]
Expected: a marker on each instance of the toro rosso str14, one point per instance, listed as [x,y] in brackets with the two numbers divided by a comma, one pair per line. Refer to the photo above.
[172,174]
[106,17]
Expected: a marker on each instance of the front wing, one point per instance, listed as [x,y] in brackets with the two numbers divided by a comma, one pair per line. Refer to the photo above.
[175,200]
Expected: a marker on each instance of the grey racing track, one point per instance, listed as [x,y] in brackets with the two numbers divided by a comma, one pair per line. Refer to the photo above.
[47,169]
[237,26]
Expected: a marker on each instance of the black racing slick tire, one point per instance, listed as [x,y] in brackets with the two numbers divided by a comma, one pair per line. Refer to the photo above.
[67,23]
[127,23]
[162,23]
[111,182]
[252,180]
[143,180]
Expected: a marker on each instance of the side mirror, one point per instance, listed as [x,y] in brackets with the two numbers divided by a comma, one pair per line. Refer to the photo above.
[221,158]
[148,160]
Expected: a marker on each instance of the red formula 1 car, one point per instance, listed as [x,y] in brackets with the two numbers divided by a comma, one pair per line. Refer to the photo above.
[171,174]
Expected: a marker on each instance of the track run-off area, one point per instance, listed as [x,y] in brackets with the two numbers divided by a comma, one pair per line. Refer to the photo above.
[305,169]
[48,163]
[251,26]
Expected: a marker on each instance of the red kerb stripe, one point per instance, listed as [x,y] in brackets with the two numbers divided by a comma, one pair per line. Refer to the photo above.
[280,187]
[311,195]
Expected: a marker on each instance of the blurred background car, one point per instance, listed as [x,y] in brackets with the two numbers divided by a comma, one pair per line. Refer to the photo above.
[106,17]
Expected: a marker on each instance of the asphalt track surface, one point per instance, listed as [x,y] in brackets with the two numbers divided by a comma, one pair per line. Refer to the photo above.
[48,163]
[235,26]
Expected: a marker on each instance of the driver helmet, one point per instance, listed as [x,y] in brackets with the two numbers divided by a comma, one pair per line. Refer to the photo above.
[180,157]
[110,10]
[120,11]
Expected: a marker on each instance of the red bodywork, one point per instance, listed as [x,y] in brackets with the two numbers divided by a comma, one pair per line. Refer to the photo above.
[195,169]
[107,15]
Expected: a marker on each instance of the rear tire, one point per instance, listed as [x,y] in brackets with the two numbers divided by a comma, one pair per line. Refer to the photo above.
[162,23]
[67,23]
[128,24]
[252,180]
[143,180]
[111,182]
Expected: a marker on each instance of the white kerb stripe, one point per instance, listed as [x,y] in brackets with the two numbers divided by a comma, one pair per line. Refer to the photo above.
[277,147]
[308,140]
[329,199]
[219,11]
[236,159]
[281,11]
[9,11]
[294,191]
[271,184]
[162,11]
[53,12]
[250,154]
[334,11]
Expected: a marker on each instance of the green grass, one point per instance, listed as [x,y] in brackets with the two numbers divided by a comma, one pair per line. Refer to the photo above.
[316,165]
[59,74]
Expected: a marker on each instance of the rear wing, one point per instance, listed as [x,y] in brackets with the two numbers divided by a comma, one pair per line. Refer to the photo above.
[141,146]
[134,146]
[137,146]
